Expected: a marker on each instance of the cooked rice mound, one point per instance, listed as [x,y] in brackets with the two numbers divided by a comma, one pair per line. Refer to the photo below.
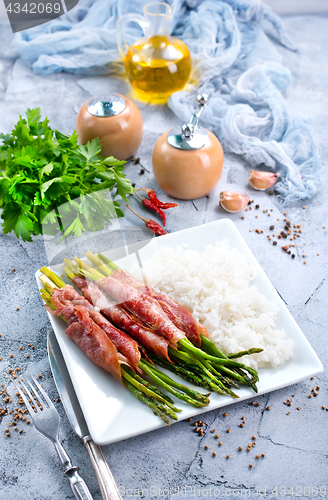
[215,286]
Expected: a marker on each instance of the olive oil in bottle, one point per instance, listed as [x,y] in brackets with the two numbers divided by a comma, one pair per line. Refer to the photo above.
[157,64]
[157,67]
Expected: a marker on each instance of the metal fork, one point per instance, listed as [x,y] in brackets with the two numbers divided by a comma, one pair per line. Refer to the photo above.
[46,420]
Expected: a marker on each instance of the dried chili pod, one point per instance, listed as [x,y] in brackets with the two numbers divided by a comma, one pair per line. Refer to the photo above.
[150,224]
[164,206]
[152,196]
[155,227]
[149,204]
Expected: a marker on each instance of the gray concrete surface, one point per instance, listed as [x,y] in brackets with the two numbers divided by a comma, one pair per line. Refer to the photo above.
[173,458]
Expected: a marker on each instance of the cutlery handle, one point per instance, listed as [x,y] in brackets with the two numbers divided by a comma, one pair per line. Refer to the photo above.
[104,476]
[78,486]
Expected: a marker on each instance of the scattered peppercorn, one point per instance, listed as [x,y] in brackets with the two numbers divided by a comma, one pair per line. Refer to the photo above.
[268,408]
[227,456]
[257,456]
[250,465]
[228,431]
[225,414]
[216,436]
[206,447]
[220,443]
[142,171]
[262,454]
[214,454]
[240,448]
[274,242]
[257,206]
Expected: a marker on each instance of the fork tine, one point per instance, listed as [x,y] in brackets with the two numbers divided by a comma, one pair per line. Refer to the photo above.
[25,382]
[27,404]
[44,394]
[37,401]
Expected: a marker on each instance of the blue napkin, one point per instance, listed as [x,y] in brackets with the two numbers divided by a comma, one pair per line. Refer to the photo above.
[234,59]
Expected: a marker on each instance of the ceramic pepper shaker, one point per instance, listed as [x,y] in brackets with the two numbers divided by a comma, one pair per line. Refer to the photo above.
[116,120]
[188,163]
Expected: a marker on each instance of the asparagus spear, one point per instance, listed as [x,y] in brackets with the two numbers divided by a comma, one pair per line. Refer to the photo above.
[171,385]
[153,405]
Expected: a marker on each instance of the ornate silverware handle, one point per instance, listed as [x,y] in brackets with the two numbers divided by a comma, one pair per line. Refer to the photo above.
[78,486]
[104,476]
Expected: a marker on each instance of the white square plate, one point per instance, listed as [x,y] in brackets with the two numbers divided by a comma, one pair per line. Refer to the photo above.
[113,413]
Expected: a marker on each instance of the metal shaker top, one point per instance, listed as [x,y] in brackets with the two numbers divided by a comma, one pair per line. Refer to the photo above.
[106,105]
[190,136]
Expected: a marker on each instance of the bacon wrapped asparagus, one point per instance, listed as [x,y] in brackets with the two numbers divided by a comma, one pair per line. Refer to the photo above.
[70,298]
[219,370]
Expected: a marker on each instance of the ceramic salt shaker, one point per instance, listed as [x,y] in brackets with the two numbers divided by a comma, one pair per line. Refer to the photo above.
[116,120]
[187,163]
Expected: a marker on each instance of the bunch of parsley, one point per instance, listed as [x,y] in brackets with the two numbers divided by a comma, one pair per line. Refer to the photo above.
[42,169]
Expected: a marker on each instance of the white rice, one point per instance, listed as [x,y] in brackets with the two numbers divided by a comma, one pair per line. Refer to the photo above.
[215,286]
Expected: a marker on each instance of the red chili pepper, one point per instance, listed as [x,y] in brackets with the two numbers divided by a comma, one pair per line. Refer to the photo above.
[149,204]
[151,224]
[164,206]
[155,227]
[152,196]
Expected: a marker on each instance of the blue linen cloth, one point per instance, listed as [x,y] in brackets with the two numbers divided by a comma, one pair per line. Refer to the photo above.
[234,61]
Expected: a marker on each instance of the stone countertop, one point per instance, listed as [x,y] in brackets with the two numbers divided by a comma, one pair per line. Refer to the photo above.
[173,458]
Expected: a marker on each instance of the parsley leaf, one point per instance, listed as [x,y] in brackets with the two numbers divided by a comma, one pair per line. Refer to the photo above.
[42,172]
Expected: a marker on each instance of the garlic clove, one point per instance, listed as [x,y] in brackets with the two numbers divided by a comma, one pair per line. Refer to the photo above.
[262,180]
[233,202]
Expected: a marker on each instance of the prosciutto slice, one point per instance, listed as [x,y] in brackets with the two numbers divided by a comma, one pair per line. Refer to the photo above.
[66,298]
[180,316]
[143,306]
[126,320]
[94,342]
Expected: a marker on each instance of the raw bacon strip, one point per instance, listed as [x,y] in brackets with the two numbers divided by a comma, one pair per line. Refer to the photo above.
[126,320]
[79,282]
[65,310]
[66,298]
[94,342]
[144,307]
[180,316]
